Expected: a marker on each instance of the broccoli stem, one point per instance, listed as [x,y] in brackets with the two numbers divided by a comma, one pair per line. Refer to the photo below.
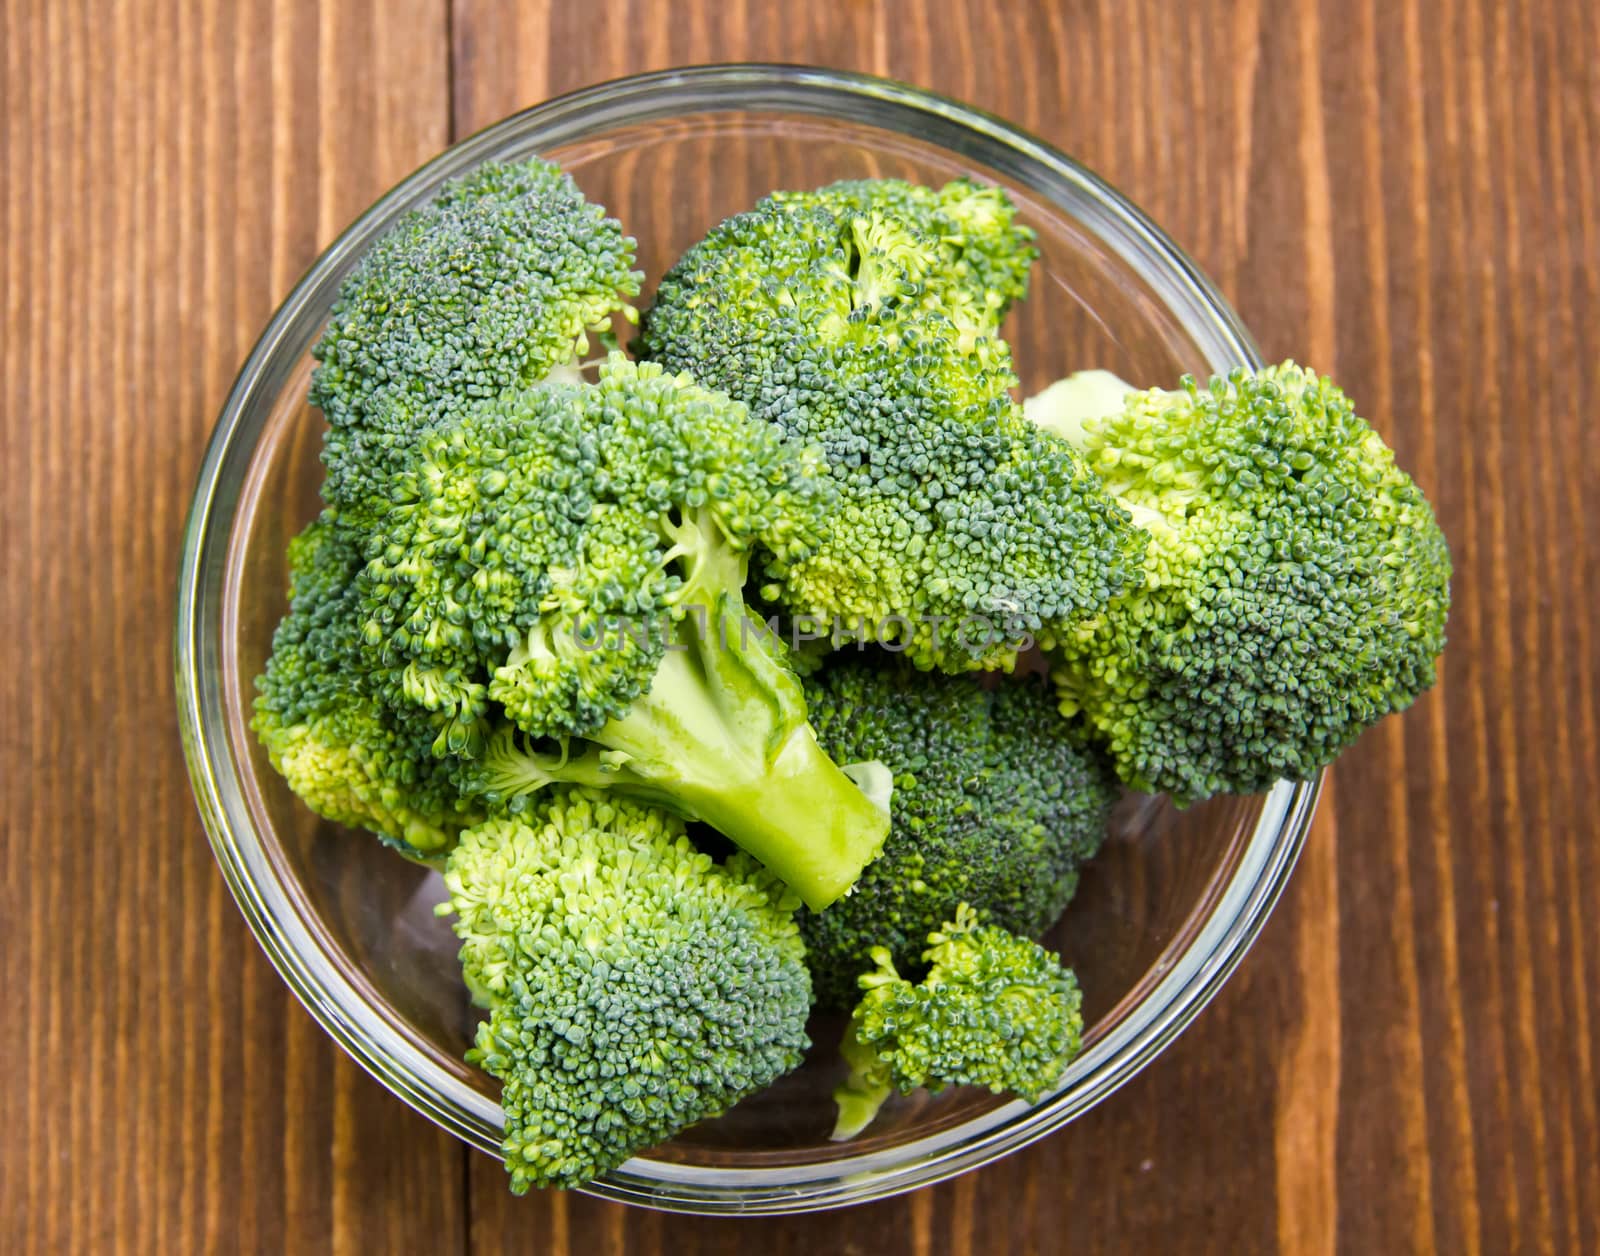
[722,732]
[722,736]
[864,1091]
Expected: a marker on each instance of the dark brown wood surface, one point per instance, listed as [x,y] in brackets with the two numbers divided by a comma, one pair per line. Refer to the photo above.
[1406,195]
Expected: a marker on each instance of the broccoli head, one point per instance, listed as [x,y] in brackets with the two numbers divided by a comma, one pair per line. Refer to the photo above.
[559,584]
[994,1010]
[498,281]
[961,529]
[348,756]
[984,254]
[1294,592]
[633,985]
[994,805]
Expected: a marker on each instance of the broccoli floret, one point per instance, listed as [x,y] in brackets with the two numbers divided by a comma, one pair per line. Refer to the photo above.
[634,986]
[961,527]
[994,1010]
[573,557]
[1294,593]
[984,253]
[497,282]
[994,804]
[351,759]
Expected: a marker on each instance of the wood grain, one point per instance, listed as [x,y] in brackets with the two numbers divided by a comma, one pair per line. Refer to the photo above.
[169,172]
[1405,194]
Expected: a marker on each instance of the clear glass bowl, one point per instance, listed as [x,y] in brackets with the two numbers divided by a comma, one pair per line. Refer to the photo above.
[1163,915]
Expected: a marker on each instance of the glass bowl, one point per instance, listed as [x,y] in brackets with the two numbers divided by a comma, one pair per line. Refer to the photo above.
[1162,916]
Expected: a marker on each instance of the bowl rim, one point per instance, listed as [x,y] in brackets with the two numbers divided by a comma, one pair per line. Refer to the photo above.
[1238,910]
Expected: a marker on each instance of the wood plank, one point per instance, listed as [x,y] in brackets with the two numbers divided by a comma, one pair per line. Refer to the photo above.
[169,172]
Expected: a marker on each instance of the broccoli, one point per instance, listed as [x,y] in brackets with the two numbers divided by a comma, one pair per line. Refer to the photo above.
[633,985]
[984,254]
[349,757]
[1295,588]
[962,529]
[497,282]
[527,643]
[994,804]
[994,1010]
[558,583]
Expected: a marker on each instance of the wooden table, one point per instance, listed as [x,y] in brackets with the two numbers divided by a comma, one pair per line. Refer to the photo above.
[1404,194]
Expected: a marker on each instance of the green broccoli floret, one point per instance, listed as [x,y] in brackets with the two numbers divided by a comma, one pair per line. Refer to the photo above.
[497,282]
[634,986]
[984,253]
[574,557]
[994,1010]
[994,805]
[1295,588]
[351,759]
[961,527]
